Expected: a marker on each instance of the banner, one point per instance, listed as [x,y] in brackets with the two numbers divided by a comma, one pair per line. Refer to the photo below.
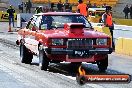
[4,16]
[83,78]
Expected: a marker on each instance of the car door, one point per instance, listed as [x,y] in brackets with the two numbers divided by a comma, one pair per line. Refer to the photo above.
[34,34]
[31,31]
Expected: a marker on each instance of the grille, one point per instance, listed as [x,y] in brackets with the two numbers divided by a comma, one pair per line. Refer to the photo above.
[79,43]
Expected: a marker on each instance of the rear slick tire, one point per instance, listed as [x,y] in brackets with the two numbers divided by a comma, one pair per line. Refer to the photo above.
[25,55]
[43,60]
[103,64]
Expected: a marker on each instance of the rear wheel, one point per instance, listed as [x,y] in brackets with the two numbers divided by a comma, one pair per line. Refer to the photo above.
[43,60]
[103,64]
[25,55]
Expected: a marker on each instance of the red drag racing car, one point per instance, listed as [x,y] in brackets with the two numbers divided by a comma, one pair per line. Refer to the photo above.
[63,36]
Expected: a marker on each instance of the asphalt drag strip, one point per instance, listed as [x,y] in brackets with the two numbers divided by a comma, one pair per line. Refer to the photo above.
[63,71]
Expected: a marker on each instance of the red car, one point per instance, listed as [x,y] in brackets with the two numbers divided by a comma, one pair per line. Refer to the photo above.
[63,36]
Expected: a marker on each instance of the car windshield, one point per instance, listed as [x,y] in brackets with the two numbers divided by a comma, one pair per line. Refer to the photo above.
[58,21]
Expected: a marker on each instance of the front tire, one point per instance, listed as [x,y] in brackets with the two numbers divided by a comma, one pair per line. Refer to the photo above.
[43,60]
[25,55]
[103,64]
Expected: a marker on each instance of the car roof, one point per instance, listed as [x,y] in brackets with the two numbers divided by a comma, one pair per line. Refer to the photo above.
[58,13]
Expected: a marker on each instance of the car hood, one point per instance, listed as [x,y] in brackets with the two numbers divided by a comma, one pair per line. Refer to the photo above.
[60,33]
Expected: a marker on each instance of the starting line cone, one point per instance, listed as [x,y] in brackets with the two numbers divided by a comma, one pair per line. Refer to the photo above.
[9,28]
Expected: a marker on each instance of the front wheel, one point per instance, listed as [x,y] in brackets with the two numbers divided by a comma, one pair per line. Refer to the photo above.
[43,60]
[103,64]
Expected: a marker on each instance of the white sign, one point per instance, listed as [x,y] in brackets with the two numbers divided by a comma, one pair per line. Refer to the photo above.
[80,53]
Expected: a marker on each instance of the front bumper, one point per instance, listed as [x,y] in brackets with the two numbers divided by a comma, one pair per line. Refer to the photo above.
[77,51]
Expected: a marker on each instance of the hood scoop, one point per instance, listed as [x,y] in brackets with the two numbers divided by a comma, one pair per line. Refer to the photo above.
[75,28]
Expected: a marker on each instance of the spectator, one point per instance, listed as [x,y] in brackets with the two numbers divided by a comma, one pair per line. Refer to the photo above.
[131,11]
[11,12]
[82,8]
[126,11]
[107,20]
[94,5]
[67,7]
[50,10]
[89,4]
[28,6]
[46,9]
[104,5]
[21,7]
[52,6]
[59,6]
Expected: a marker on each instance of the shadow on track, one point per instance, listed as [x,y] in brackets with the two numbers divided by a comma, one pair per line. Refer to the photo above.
[68,70]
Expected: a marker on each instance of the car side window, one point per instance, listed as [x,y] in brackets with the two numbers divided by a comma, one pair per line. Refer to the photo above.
[46,22]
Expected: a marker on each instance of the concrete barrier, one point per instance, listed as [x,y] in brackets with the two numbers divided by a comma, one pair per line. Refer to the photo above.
[124,46]
[102,29]
[127,46]
[119,21]
[119,45]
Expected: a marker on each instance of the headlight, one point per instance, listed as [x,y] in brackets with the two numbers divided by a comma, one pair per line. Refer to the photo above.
[101,41]
[57,41]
